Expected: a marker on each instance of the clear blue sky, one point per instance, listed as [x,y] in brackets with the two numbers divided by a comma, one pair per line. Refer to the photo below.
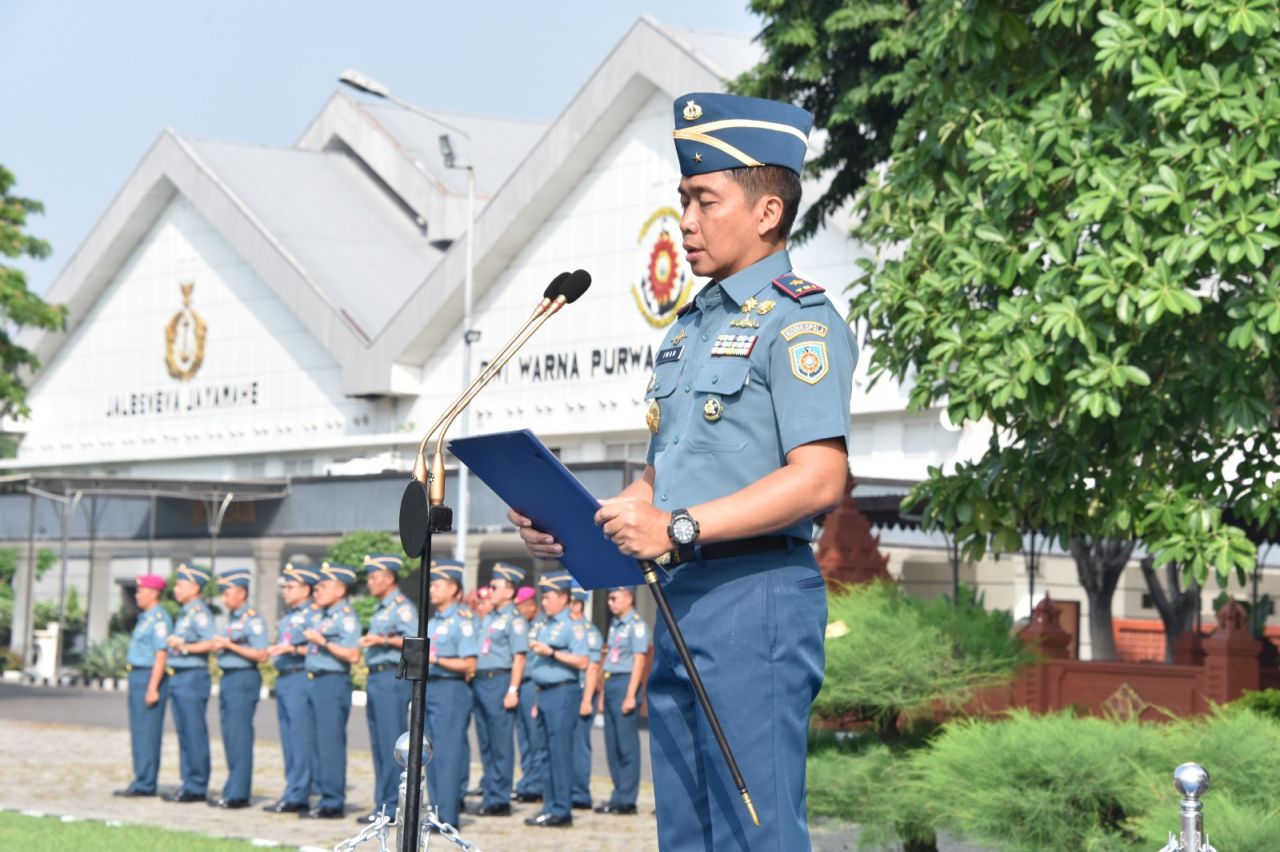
[89,85]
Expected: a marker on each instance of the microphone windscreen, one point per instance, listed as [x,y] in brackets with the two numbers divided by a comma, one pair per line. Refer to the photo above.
[553,289]
[577,284]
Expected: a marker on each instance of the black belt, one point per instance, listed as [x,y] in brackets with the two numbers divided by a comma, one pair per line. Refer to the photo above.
[525,679]
[288,672]
[730,549]
[314,675]
[381,667]
[493,672]
[444,677]
[545,687]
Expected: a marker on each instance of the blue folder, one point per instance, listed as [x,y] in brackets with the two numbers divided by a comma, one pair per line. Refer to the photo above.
[530,479]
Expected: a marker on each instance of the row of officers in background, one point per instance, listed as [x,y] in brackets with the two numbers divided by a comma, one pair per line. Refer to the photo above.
[534,674]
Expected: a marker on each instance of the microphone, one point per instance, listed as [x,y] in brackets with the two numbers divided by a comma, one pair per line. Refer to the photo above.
[426,491]
[571,289]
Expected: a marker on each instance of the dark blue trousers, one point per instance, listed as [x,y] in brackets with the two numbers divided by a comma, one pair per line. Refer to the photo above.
[755,626]
[387,712]
[494,726]
[557,717]
[297,736]
[146,727]
[238,692]
[622,741]
[533,745]
[582,753]
[189,692]
[448,706]
[329,697]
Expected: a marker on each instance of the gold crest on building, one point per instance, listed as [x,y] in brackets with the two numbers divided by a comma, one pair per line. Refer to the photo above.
[184,338]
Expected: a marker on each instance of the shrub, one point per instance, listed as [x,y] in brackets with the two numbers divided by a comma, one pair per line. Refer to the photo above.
[889,656]
[9,660]
[106,659]
[862,780]
[1264,702]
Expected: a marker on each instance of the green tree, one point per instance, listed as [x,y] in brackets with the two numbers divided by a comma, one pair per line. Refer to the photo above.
[1076,229]
[838,59]
[19,307]
[351,550]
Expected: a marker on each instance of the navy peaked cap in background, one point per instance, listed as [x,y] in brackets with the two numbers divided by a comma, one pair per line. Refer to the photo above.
[716,131]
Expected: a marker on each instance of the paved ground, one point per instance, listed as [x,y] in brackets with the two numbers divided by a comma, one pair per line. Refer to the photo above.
[65,749]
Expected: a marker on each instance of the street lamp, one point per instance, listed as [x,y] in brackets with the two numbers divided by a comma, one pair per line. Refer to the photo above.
[362,83]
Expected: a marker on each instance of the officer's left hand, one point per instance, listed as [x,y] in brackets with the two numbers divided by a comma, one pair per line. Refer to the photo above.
[221,643]
[511,701]
[314,636]
[542,649]
[628,705]
[584,709]
[637,527]
[152,697]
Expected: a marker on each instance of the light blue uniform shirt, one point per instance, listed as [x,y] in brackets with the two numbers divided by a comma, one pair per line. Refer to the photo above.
[535,628]
[563,634]
[341,626]
[290,631]
[628,636]
[595,641]
[503,634]
[734,400]
[194,624]
[244,627]
[149,636]
[395,616]
[452,633]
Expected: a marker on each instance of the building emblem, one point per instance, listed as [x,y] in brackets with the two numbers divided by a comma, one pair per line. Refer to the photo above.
[184,338]
[665,284]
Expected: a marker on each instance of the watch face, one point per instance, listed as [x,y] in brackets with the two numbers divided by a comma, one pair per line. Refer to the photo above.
[683,529]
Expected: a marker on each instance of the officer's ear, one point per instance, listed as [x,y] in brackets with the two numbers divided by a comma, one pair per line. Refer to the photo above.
[768,210]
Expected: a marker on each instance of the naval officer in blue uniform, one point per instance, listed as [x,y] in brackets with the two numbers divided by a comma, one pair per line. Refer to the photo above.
[148,688]
[500,665]
[453,650]
[623,665]
[748,407]
[189,685]
[589,680]
[239,648]
[533,748]
[293,714]
[388,696]
[560,647]
[333,645]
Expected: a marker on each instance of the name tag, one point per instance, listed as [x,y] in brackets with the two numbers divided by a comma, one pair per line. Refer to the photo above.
[666,356]
[734,345]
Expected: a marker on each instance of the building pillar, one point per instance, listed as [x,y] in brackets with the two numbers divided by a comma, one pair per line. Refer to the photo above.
[1230,657]
[23,600]
[268,556]
[100,597]
[471,568]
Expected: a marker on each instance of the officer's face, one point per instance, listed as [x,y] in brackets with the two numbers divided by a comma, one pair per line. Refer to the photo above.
[233,597]
[553,602]
[722,232]
[294,592]
[380,582]
[619,602]
[500,591]
[185,590]
[528,609]
[442,592]
[329,592]
[146,597]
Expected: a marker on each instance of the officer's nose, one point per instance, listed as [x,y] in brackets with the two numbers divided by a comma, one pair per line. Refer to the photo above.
[688,222]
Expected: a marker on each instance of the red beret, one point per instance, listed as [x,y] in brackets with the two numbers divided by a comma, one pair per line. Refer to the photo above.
[151,581]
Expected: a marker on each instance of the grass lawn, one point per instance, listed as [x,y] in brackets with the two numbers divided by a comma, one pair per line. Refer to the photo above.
[50,834]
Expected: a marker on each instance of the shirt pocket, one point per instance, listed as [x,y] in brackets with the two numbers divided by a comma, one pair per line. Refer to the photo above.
[720,422]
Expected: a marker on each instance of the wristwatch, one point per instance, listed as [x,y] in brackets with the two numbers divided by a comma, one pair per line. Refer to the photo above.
[683,529]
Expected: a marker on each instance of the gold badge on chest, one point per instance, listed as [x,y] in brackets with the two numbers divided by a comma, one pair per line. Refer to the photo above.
[712,410]
[653,417]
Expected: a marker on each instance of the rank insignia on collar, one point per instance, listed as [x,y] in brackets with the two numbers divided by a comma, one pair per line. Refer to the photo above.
[765,306]
[712,410]
[735,345]
[749,305]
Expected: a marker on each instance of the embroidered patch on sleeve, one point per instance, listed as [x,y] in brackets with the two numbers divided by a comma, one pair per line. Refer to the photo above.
[809,361]
[796,329]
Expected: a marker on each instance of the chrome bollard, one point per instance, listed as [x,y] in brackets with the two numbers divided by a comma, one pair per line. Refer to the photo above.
[1192,782]
[402,758]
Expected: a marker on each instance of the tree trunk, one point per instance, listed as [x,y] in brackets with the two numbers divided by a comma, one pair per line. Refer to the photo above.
[1177,606]
[1099,564]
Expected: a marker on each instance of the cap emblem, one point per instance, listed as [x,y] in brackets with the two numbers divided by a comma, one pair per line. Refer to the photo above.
[692,112]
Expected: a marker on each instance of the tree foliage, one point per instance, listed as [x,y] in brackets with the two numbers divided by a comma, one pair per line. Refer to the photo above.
[19,307]
[1076,228]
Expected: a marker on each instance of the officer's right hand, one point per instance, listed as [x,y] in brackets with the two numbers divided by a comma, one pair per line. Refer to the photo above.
[152,697]
[540,544]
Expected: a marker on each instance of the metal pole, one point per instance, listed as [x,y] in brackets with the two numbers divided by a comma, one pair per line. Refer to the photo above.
[23,604]
[413,665]
[68,512]
[464,499]
[88,598]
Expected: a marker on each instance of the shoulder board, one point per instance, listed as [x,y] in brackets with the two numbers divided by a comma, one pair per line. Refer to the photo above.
[685,308]
[796,287]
